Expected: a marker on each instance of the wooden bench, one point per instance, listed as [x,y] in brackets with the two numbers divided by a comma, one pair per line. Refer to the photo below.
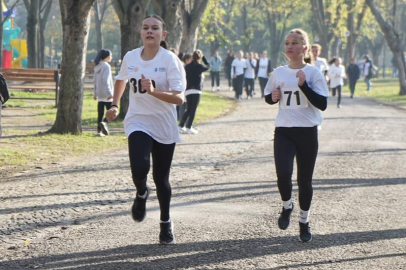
[32,76]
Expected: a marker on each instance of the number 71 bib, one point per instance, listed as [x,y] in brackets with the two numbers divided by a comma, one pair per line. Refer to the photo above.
[293,98]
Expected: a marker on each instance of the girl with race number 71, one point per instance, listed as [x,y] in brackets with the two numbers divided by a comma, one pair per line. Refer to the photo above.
[301,91]
[157,82]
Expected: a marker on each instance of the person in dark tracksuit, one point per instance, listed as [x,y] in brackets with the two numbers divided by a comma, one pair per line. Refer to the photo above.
[227,69]
[353,73]
[301,91]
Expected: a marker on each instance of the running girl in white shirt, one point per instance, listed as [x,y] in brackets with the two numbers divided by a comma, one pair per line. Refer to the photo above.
[301,91]
[336,74]
[157,82]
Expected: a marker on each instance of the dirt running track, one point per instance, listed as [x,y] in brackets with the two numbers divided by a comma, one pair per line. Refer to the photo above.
[225,202]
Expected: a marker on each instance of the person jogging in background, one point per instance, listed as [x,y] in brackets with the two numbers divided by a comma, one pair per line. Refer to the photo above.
[157,82]
[336,74]
[263,71]
[227,69]
[238,68]
[249,75]
[353,73]
[194,72]
[301,91]
[319,62]
[215,67]
[103,88]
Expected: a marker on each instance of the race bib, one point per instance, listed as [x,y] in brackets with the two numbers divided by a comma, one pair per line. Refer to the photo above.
[293,98]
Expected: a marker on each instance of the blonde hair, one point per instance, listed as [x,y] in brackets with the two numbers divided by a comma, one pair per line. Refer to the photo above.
[308,55]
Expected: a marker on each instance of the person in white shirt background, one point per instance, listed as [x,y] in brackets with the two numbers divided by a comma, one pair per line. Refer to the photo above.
[336,74]
[301,91]
[263,71]
[103,88]
[215,67]
[157,82]
[319,62]
[238,67]
[249,75]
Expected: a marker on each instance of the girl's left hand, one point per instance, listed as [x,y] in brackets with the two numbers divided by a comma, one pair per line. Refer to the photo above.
[146,84]
[302,77]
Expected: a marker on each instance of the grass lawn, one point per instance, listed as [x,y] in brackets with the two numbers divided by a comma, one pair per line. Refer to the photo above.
[22,148]
[384,90]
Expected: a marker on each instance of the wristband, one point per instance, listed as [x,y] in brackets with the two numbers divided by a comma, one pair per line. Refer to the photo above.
[114,106]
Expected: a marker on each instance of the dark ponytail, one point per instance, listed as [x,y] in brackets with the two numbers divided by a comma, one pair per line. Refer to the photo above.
[164,44]
[102,55]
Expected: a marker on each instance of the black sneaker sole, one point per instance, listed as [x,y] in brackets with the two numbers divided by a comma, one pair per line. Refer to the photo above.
[131,210]
[300,239]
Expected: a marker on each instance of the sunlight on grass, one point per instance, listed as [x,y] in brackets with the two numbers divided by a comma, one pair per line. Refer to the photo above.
[21,149]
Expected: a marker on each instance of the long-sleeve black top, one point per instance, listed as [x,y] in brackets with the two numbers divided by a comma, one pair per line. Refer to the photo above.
[194,72]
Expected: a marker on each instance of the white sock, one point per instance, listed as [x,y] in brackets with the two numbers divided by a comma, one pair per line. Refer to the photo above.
[287,204]
[304,216]
[145,194]
[165,221]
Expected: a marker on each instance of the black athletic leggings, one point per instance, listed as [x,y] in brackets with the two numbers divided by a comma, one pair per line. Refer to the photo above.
[140,148]
[337,90]
[100,110]
[238,83]
[301,142]
[249,86]
[192,103]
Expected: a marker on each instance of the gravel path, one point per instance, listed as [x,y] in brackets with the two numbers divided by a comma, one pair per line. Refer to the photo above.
[75,215]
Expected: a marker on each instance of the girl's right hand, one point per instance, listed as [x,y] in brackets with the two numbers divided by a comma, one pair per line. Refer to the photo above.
[276,94]
[111,114]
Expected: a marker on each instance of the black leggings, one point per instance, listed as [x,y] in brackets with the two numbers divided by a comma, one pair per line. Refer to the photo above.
[140,147]
[338,90]
[301,142]
[238,83]
[352,86]
[262,83]
[100,110]
[192,102]
[249,86]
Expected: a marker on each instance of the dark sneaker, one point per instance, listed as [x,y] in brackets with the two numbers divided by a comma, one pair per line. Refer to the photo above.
[305,234]
[284,218]
[166,235]
[138,210]
[103,127]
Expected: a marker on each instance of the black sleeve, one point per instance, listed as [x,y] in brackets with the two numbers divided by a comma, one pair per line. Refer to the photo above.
[269,67]
[268,99]
[205,61]
[206,65]
[319,101]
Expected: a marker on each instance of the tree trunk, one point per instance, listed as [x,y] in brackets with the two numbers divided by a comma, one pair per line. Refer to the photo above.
[99,12]
[394,42]
[32,32]
[192,15]
[42,25]
[277,34]
[353,28]
[131,14]
[75,24]
[169,11]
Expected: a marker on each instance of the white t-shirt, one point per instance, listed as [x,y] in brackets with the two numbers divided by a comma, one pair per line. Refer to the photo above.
[263,67]
[294,108]
[366,68]
[250,71]
[239,66]
[336,74]
[321,63]
[146,113]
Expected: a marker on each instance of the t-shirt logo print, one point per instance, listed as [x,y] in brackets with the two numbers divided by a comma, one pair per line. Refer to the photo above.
[161,69]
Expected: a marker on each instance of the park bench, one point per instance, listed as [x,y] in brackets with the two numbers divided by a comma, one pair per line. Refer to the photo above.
[32,79]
